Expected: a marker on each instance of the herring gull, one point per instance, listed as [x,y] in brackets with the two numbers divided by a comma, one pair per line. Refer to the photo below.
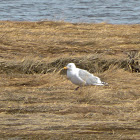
[81,77]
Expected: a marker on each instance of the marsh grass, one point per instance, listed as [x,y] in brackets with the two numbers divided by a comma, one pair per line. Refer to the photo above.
[37,101]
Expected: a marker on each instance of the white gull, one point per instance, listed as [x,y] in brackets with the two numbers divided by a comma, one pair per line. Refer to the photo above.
[82,77]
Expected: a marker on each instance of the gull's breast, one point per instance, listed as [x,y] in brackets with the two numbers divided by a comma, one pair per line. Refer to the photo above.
[74,78]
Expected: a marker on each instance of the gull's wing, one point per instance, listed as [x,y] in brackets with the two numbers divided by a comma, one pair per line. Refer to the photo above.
[89,78]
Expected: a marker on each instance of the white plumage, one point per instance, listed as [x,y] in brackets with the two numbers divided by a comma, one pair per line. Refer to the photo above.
[82,77]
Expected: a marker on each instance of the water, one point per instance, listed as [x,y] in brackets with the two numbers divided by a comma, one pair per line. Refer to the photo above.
[88,11]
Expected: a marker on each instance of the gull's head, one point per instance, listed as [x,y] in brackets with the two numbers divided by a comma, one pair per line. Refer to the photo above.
[70,66]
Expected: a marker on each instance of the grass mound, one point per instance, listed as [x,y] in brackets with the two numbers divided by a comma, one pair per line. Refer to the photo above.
[92,63]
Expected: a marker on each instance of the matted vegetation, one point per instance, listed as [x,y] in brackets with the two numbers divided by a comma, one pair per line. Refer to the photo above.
[37,100]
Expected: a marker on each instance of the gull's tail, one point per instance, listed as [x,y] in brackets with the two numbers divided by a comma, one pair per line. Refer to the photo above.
[105,84]
[101,84]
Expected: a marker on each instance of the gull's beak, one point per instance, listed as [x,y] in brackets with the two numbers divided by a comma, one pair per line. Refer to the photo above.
[65,68]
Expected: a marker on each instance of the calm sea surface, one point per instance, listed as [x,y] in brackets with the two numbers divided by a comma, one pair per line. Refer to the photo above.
[89,11]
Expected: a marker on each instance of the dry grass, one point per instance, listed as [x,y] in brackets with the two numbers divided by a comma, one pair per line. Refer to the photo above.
[37,100]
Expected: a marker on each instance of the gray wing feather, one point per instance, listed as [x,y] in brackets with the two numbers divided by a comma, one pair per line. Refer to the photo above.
[89,78]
